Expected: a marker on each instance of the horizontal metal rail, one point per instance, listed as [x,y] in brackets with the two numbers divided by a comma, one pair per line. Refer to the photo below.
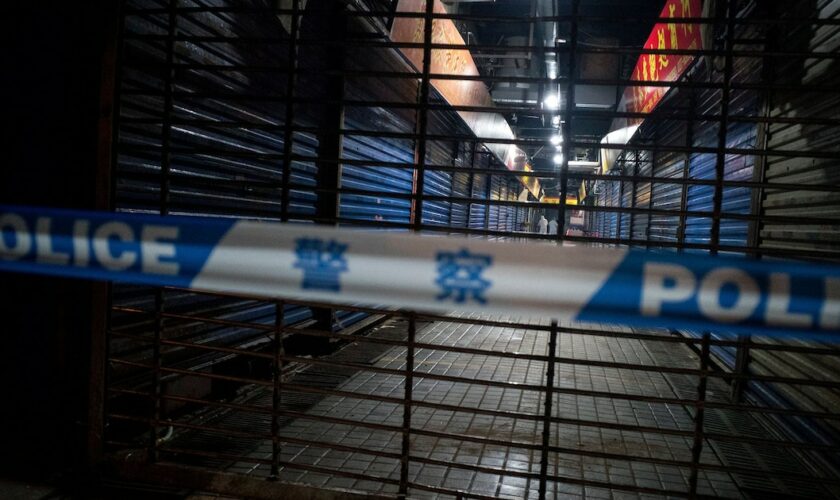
[218,112]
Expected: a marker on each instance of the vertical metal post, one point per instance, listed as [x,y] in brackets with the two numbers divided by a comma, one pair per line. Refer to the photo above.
[409,386]
[689,142]
[742,367]
[452,192]
[633,197]
[618,94]
[651,177]
[765,104]
[156,375]
[331,119]
[165,166]
[98,374]
[422,121]
[620,205]
[101,304]
[289,120]
[166,130]
[768,76]
[549,394]
[330,139]
[471,182]
[570,107]
[277,371]
[720,164]
[488,190]
[699,414]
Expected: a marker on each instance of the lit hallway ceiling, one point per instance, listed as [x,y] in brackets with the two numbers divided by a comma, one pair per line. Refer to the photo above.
[546,64]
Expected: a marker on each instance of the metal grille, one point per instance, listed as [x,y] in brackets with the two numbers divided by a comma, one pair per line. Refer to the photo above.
[317,112]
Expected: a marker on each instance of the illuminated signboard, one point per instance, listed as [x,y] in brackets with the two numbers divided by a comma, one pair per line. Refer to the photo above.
[570,199]
[662,67]
[460,92]
[655,68]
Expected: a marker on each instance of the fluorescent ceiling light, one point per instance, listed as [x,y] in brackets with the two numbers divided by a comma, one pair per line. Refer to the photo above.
[594,106]
[552,101]
[558,159]
[556,139]
[583,163]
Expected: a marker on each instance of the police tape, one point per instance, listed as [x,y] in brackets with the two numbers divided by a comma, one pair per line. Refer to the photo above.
[426,273]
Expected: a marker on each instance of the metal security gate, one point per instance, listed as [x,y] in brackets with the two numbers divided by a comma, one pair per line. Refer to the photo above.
[321,112]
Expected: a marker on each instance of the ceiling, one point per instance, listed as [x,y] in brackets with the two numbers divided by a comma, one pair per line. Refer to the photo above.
[545,62]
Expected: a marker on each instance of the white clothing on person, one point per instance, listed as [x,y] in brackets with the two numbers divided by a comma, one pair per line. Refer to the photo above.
[542,225]
[552,226]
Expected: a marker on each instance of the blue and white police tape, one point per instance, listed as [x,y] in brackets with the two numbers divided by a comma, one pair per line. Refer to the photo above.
[637,288]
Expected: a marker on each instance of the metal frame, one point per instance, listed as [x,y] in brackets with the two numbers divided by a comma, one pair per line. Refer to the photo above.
[278,382]
[157,338]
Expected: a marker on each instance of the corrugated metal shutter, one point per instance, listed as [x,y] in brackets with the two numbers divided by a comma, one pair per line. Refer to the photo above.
[808,138]
[642,167]
[665,196]
[700,198]
[480,186]
[803,236]
[511,193]
[734,200]
[362,148]
[626,198]
[437,182]
[495,194]
[384,180]
[225,149]
[460,189]
[616,194]
[610,219]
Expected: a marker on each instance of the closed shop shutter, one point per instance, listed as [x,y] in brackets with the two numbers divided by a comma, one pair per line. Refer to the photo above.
[437,183]
[460,189]
[225,148]
[392,184]
[641,166]
[495,194]
[480,186]
[815,208]
[626,198]
[216,143]
[824,205]
[382,180]
[609,220]
[664,195]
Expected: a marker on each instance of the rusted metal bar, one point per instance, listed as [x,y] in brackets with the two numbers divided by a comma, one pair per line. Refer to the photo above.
[699,414]
[723,126]
[276,389]
[549,382]
[419,183]
[568,129]
[407,406]
[289,120]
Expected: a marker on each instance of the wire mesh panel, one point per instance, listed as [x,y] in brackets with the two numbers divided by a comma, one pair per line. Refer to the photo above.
[675,126]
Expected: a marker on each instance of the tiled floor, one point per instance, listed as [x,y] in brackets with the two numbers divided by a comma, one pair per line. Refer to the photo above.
[513,432]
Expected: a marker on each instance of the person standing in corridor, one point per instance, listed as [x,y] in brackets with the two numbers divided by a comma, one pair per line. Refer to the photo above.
[542,225]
